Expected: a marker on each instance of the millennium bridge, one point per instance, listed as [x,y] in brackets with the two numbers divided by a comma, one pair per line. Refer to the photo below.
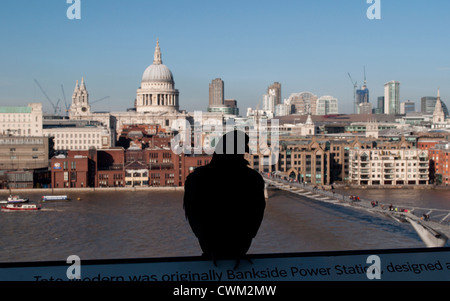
[432,225]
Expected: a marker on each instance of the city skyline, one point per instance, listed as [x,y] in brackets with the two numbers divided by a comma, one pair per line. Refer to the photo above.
[304,46]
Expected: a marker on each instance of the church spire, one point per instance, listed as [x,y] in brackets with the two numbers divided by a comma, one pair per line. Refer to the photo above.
[157,60]
[82,86]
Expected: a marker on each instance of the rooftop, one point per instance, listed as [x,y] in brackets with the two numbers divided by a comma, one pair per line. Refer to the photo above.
[340,118]
[12,110]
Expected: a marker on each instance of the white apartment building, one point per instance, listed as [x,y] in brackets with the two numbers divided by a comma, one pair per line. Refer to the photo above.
[21,120]
[283,109]
[388,167]
[269,102]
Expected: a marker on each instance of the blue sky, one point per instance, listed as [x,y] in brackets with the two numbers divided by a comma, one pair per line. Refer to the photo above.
[304,45]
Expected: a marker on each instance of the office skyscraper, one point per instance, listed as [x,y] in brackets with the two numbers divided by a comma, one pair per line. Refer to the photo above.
[407,107]
[392,98]
[427,104]
[217,102]
[327,105]
[380,105]
[275,90]
[216,93]
[362,97]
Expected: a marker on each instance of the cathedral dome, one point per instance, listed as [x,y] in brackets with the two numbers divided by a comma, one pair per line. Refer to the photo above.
[157,92]
[157,72]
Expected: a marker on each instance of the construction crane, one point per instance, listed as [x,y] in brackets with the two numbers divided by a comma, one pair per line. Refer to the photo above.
[55,108]
[64,96]
[355,86]
[92,102]
[365,76]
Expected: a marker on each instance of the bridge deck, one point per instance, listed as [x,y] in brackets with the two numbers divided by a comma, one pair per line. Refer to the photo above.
[438,219]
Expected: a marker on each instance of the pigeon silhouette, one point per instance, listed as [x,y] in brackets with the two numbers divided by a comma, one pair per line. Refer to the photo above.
[224,201]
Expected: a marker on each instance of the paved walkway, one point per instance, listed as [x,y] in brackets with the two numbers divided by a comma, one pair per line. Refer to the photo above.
[434,220]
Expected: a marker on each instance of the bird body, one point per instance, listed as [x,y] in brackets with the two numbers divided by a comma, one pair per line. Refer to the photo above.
[224,203]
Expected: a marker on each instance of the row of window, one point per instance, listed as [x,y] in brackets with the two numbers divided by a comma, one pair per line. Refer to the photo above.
[14,157]
[388,164]
[105,183]
[76,147]
[22,140]
[396,176]
[72,135]
[20,118]
[199,162]
[18,132]
[34,149]
[117,176]
[73,165]
[19,125]
[386,170]
[78,141]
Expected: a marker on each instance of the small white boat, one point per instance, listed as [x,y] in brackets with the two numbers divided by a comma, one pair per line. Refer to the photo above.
[54,198]
[20,207]
[12,199]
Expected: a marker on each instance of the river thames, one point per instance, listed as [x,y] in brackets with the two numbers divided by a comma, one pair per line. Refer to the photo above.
[145,224]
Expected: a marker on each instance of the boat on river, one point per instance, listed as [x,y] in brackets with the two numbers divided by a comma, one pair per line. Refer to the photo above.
[55,198]
[20,207]
[14,199]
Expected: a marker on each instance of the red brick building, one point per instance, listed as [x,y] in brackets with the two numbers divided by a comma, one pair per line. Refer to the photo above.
[91,168]
[190,163]
[169,169]
[70,171]
[116,167]
[164,167]
[436,169]
[428,143]
[440,156]
[110,170]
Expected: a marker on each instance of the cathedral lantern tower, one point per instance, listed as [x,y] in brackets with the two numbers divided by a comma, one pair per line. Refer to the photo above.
[157,93]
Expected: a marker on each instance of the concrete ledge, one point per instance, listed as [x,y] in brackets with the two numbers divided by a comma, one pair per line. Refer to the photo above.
[427,264]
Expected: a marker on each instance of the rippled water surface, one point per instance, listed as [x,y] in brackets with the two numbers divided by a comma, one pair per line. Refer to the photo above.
[104,225]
